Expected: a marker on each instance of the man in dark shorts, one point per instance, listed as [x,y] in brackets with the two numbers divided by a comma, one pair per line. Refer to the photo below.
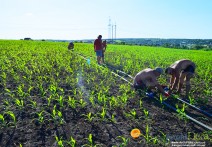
[180,71]
[147,80]
[98,48]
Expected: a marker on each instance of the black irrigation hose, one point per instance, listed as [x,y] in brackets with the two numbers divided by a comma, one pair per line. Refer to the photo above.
[196,121]
[200,110]
[168,105]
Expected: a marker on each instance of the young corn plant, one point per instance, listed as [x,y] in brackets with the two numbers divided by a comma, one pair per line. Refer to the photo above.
[112,119]
[113,102]
[164,139]
[2,121]
[20,91]
[133,113]
[161,99]
[33,104]
[146,113]
[72,142]
[12,115]
[140,104]
[92,101]
[90,142]
[19,103]
[88,116]
[147,137]
[57,116]
[181,112]
[71,102]
[124,142]
[82,103]
[124,99]
[40,117]
[49,100]
[59,141]
[60,101]
[191,100]
[102,114]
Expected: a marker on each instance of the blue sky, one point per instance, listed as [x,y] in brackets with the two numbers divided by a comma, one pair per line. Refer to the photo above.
[86,19]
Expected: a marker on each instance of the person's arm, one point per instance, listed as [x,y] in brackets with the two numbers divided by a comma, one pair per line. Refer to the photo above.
[159,87]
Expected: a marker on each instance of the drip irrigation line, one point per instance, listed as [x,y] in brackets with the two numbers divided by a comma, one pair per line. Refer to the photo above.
[119,71]
[189,117]
[168,105]
[119,77]
[200,110]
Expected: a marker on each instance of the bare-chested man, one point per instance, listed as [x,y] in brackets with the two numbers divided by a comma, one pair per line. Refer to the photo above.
[180,71]
[147,79]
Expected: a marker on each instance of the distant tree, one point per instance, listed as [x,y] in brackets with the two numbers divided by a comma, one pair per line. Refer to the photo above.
[198,47]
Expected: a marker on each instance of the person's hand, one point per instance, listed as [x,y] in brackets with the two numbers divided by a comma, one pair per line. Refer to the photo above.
[166,94]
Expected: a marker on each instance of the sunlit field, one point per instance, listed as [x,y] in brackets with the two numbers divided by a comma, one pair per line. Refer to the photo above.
[50,96]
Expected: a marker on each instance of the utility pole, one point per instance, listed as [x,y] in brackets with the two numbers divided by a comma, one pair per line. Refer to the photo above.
[115,31]
[109,29]
[112,33]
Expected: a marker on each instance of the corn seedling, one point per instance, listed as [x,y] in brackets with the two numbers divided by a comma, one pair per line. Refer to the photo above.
[112,119]
[19,103]
[72,102]
[40,117]
[147,137]
[89,116]
[12,115]
[102,114]
[72,142]
[82,103]
[146,113]
[181,112]
[161,99]
[124,142]
[191,100]
[59,141]
[133,113]
[90,142]
[140,103]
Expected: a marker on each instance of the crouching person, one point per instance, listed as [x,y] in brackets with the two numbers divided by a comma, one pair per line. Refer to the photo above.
[147,80]
[71,46]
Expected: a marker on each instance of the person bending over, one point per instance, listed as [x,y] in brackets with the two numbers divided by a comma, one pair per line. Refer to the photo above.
[147,79]
[180,71]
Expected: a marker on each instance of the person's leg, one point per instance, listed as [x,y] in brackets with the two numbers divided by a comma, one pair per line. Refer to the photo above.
[98,54]
[97,57]
[181,80]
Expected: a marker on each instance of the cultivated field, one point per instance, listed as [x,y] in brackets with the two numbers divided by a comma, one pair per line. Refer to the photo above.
[50,96]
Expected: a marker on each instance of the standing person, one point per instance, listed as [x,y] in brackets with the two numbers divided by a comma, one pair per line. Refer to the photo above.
[98,48]
[180,71]
[104,45]
[147,79]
